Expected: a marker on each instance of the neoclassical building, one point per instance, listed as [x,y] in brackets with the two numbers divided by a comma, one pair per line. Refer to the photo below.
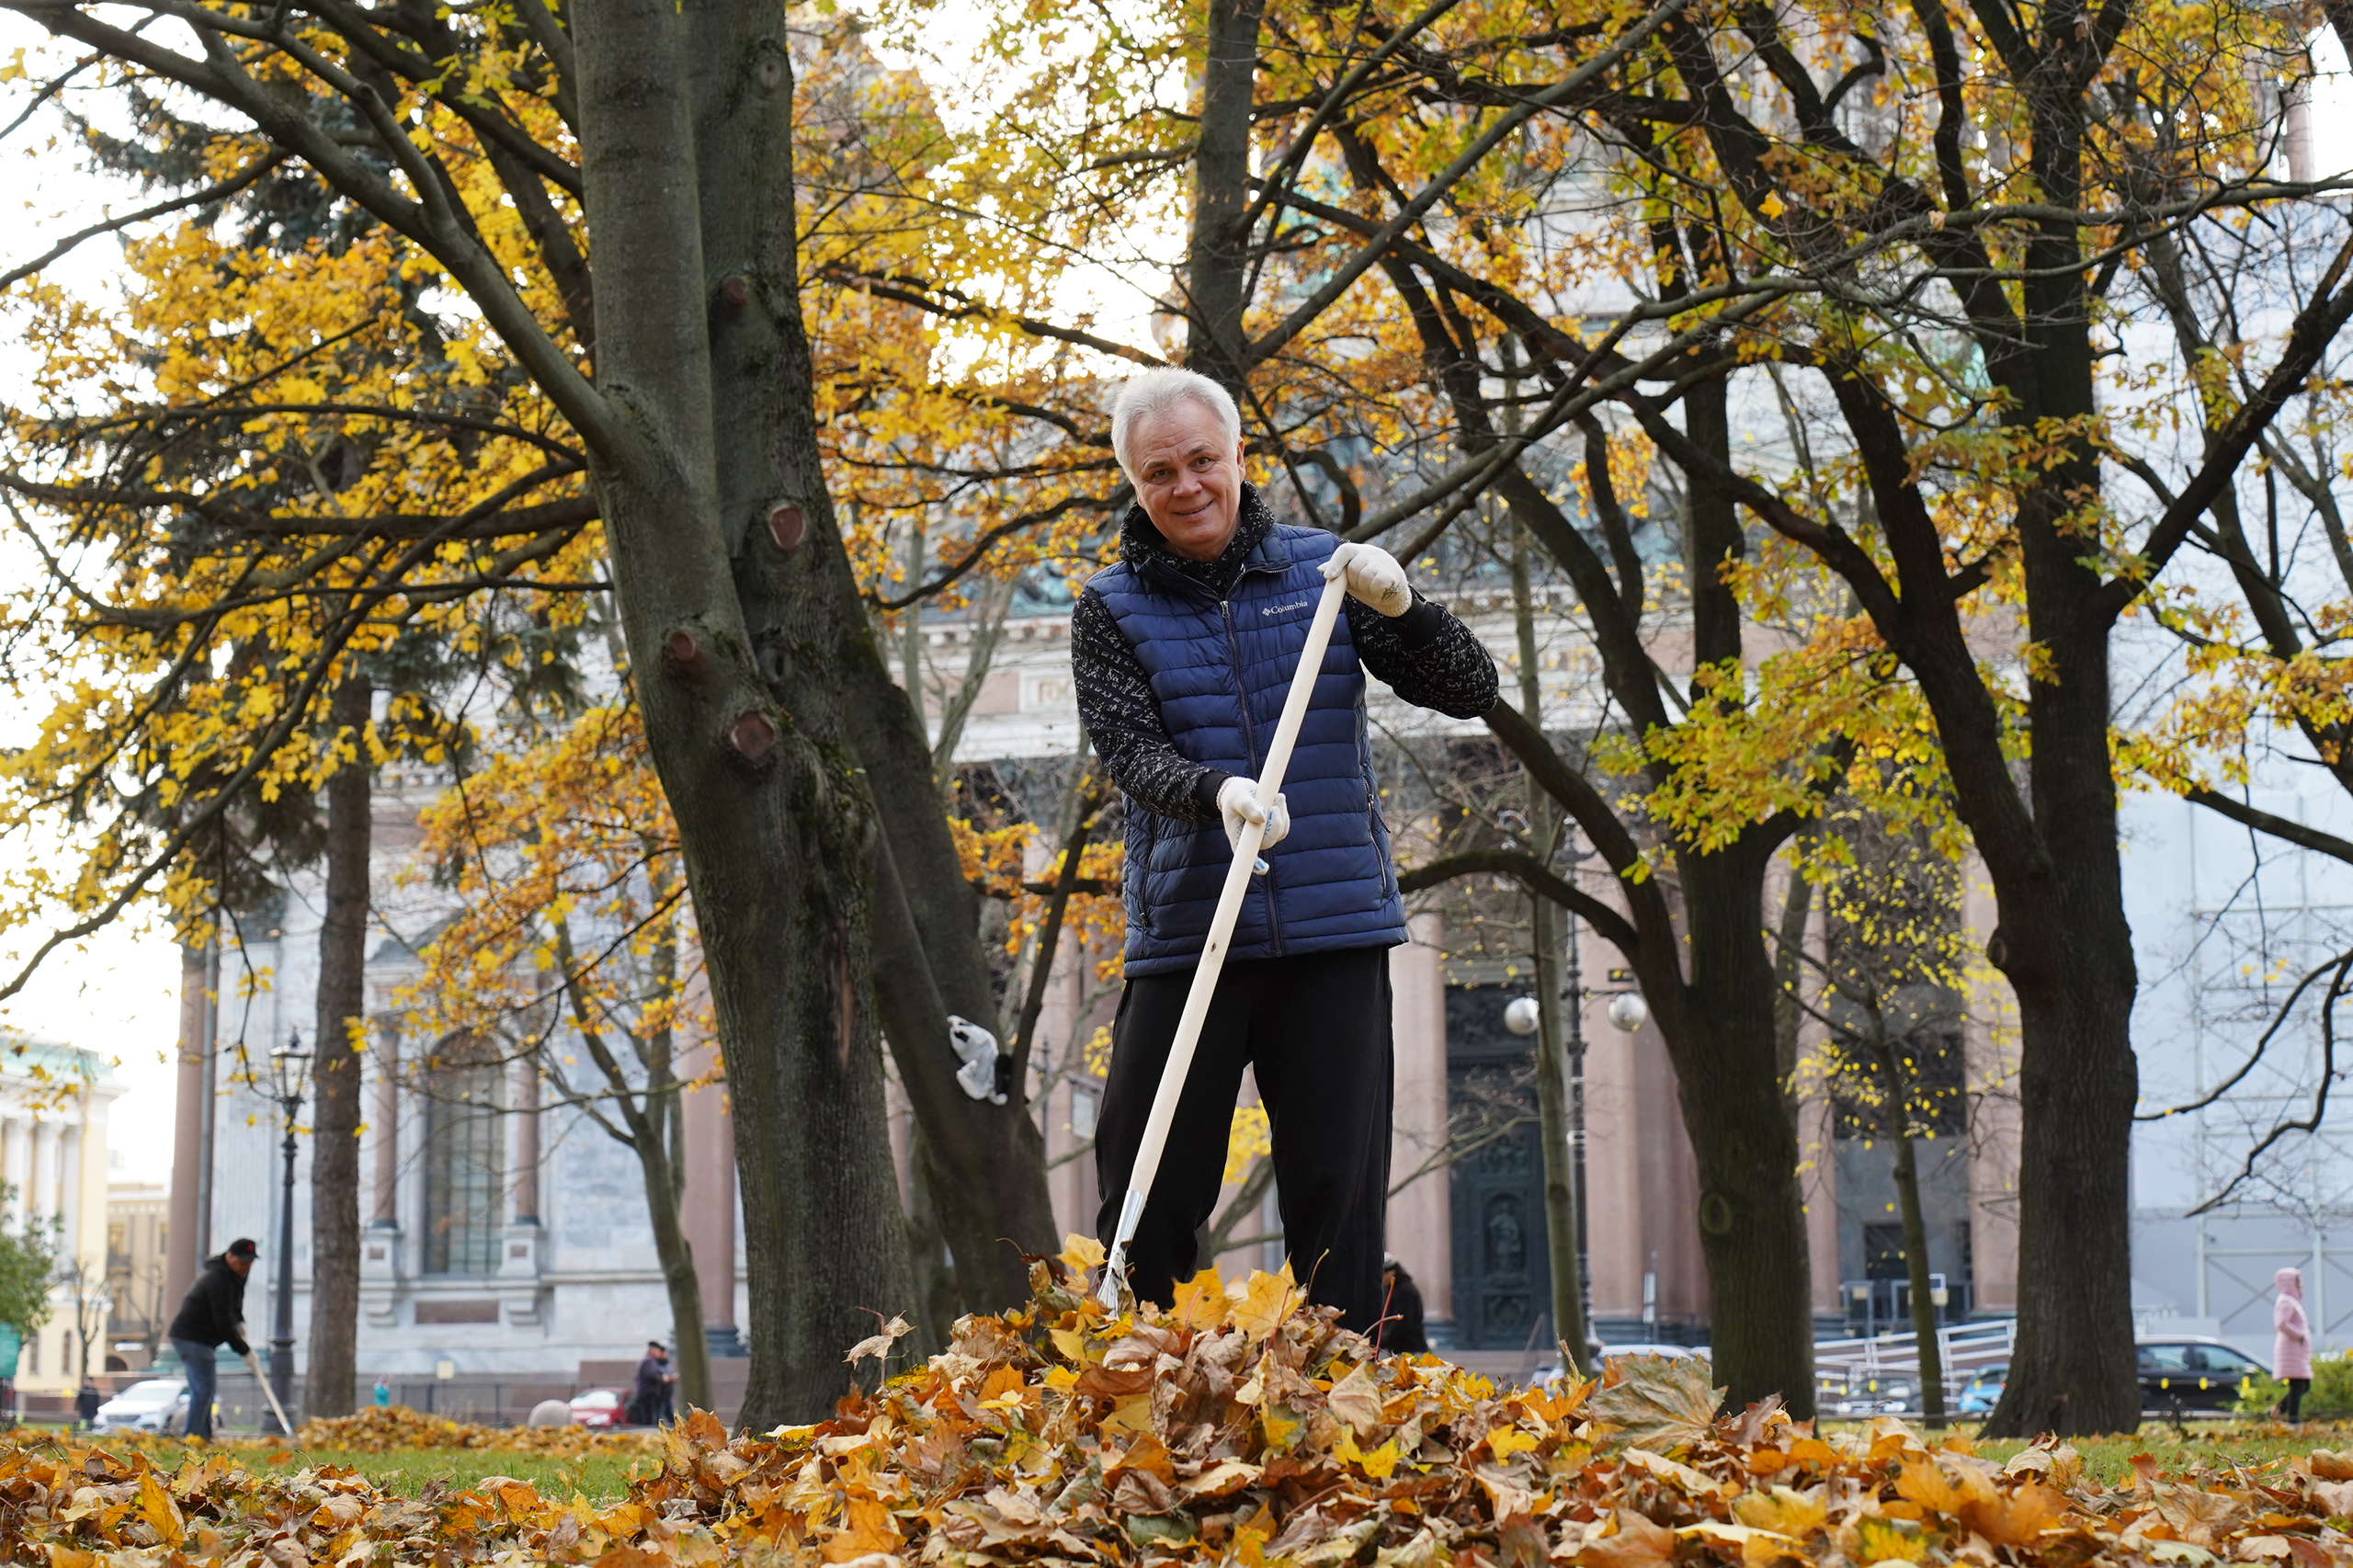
[53,1104]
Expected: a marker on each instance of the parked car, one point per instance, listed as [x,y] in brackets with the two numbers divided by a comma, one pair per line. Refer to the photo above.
[2194,1374]
[1876,1396]
[1672,1352]
[1983,1390]
[1550,1372]
[600,1407]
[154,1404]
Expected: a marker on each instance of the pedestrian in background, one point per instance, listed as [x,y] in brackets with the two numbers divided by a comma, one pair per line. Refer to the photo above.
[1401,1325]
[2291,1341]
[211,1314]
[649,1396]
[86,1403]
[384,1392]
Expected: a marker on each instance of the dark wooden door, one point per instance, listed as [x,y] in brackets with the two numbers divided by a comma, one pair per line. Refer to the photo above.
[1502,1268]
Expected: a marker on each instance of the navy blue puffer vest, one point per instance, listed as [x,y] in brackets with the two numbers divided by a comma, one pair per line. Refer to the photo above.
[1221,671]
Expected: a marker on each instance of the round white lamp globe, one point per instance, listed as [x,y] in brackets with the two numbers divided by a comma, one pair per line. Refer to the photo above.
[1521,1016]
[1629,1012]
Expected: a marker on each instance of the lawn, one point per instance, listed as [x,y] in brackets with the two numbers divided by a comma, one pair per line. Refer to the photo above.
[2109,1459]
[603,1478]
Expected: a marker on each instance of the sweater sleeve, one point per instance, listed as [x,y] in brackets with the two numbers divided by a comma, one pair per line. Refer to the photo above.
[1123,720]
[1426,656]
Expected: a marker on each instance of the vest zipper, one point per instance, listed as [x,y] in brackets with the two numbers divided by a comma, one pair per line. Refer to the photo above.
[1258,766]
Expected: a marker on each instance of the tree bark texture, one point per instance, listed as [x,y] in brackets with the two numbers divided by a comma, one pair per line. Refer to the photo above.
[332,1383]
[690,1349]
[1217,252]
[1564,1246]
[710,492]
[1916,1261]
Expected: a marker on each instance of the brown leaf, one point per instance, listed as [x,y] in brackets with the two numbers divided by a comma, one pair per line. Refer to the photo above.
[1658,1402]
[1637,1543]
[879,1346]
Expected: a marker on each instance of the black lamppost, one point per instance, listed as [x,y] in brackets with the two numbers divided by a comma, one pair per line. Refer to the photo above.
[289,1077]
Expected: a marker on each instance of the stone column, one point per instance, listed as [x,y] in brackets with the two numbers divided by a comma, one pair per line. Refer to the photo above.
[190,1105]
[525,1238]
[387,1216]
[40,1177]
[1420,1217]
[16,1165]
[707,1211]
[380,1245]
[527,1142]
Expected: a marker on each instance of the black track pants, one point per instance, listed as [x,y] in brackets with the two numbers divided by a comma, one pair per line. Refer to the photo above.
[1316,1028]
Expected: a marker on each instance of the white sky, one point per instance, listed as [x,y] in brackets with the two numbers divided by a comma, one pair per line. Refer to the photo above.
[117,992]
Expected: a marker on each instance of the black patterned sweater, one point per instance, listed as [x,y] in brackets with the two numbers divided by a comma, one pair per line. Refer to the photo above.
[1426,655]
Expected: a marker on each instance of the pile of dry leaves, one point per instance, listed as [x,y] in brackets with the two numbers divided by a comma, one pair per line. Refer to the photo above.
[1239,1427]
[375,1431]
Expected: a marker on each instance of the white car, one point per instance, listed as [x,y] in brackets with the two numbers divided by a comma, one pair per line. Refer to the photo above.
[154,1404]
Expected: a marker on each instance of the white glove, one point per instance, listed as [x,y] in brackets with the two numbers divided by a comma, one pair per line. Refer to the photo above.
[1238,800]
[1373,576]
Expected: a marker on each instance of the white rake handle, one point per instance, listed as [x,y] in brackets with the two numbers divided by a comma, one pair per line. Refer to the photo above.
[1229,909]
[269,1393]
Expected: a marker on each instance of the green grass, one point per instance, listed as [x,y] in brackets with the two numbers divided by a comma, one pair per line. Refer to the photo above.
[2215,1444]
[600,1477]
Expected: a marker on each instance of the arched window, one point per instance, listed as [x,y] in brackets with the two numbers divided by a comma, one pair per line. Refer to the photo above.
[463,1164]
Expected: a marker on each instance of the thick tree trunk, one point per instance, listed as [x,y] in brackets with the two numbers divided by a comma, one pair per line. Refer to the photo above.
[332,1383]
[991,1202]
[1727,1062]
[2064,945]
[1915,1259]
[686,159]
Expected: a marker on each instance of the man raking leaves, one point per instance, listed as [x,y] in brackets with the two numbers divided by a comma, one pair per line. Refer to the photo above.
[1265,945]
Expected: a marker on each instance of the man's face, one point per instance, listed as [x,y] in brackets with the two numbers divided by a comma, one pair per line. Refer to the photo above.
[1188,477]
[660,1354]
[241,1264]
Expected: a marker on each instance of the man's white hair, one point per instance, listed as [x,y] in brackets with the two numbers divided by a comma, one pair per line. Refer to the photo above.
[1154,393]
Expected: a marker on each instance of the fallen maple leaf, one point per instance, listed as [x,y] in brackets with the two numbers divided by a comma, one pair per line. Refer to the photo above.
[1657,1402]
[878,1346]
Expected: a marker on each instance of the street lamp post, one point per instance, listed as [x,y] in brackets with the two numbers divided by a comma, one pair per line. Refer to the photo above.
[289,1070]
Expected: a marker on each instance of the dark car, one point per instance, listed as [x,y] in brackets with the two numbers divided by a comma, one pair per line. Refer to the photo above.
[2194,1374]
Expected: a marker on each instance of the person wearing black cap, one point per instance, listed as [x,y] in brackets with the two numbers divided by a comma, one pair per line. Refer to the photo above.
[649,1403]
[211,1314]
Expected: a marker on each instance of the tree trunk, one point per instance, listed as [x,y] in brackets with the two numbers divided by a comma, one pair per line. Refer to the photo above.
[1916,1257]
[708,479]
[333,1381]
[1218,252]
[690,1348]
[992,1203]
[1562,1243]
[1752,1213]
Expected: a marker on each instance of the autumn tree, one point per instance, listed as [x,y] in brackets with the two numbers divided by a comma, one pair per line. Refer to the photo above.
[2010,177]
[507,237]
[203,454]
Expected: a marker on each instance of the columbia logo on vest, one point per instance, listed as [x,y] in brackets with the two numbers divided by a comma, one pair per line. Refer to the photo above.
[1286,609]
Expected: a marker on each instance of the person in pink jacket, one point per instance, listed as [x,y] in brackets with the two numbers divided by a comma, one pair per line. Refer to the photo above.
[2291,1343]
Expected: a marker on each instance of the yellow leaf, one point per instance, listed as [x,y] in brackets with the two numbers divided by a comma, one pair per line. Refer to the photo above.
[155,1506]
[1265,1301]
[1200,1301]
[1505,1441]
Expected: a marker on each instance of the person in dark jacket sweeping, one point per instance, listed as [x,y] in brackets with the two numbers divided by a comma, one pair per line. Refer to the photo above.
[211,1314]
[1182,655]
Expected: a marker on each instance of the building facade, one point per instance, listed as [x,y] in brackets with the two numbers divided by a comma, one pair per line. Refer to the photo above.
[53,1104]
